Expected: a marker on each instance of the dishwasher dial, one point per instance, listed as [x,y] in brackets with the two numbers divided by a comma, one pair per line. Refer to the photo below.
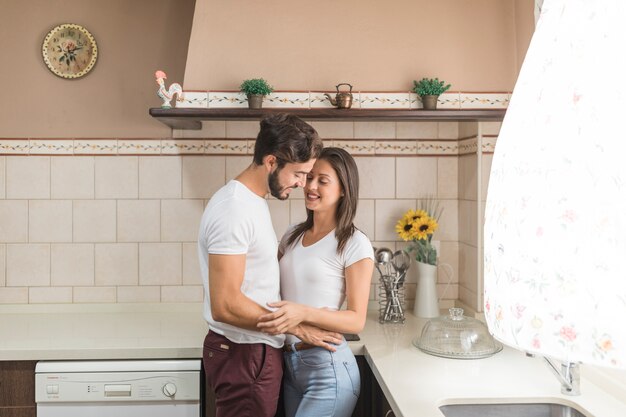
[169,389]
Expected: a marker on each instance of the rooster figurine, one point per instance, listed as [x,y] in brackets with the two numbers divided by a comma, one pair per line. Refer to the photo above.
[165,94]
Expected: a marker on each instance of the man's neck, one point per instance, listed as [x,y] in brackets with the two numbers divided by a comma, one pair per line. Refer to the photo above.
[255,178]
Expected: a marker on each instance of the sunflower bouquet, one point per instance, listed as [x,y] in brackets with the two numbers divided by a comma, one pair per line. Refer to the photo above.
[418,226]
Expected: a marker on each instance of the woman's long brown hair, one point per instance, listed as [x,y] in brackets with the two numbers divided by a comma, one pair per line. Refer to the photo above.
[348,174]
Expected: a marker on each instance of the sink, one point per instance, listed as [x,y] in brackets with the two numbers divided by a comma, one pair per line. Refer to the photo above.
[510,410]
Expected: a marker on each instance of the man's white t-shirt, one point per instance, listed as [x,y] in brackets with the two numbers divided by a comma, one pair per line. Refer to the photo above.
[237,221]
[315,275]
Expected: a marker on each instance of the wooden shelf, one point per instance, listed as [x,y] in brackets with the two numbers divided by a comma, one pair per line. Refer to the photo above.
[192,118]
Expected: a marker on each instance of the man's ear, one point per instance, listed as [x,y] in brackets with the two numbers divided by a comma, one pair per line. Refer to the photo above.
[269,162]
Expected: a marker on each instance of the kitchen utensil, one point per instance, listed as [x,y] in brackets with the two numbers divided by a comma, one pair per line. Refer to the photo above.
[401,262]
[457,336]
[343,99]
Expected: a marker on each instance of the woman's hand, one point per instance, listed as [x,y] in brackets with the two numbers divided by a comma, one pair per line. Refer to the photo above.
[286,317]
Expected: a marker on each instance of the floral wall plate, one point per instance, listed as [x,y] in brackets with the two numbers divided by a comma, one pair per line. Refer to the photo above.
[69,51]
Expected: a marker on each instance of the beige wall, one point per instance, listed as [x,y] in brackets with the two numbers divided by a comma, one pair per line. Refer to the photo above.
[524,28]
[372,44]
[135,38]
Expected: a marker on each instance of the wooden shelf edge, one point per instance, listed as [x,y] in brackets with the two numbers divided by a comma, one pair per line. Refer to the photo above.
[192,118]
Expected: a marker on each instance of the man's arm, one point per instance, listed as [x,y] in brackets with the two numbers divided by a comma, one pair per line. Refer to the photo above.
[228,304]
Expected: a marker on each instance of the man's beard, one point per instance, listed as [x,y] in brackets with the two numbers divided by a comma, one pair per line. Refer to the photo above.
[275,186]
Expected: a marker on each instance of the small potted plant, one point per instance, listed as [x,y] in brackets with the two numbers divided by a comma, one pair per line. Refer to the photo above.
[255,89]
[429,90]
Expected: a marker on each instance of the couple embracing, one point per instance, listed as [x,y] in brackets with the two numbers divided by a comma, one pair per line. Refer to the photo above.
[274,309]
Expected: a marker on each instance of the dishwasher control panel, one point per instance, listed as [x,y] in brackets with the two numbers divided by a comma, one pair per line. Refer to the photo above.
[102,386]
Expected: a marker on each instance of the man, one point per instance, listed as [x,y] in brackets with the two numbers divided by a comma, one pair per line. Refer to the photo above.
[238,254]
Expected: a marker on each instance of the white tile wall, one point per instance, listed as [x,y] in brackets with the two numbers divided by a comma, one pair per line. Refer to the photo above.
[160,176]
[160,264]
[105,229]
[13,221]
[334,130]
[417,130]
[416,177]
[135,294]
[28,265]
[72,264]
[180,220]
[72,178]
[2,177]
[116,264]
[27,177]
[202,176]
[3,250]
[94,220]
[95,294]
[376,177]
[50,221]
[139,221]
[117,177]
[49,295]
[191,264]
[180,294]
[374,130]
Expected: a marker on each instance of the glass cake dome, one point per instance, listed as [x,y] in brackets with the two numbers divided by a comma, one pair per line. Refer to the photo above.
[457,336]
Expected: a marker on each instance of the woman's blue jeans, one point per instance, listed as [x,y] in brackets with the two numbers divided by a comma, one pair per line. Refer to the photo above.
[319,383]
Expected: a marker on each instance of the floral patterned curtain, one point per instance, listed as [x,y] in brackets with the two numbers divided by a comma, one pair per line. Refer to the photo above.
[555,220]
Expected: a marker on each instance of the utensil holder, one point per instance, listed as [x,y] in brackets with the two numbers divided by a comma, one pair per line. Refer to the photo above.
[391,298]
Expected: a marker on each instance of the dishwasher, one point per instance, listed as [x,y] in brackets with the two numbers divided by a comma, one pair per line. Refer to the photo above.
[154,388]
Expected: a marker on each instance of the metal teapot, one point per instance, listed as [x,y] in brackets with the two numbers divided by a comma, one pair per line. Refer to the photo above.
[343,100]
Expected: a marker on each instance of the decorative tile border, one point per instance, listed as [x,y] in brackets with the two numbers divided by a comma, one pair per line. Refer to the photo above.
[194,99]
[382,147]
[221,99]
[357,147]
[14,146]
[181,147]
[360,99]
[468,146]
[235,147]
[484,100]
[438,148]
[385,100]
[51,147]
[287,100]
[489,144]
[95,146]
[396,147]
[138,147]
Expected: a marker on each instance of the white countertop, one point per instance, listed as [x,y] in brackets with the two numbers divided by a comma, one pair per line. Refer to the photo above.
[415,383]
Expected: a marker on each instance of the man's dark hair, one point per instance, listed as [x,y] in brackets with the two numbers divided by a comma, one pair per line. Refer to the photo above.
[287,137]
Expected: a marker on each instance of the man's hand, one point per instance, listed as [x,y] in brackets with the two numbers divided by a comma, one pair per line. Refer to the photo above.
[316,336]
[288,316]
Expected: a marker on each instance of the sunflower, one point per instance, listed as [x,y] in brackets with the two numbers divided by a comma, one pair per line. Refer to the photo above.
[404,228]
[423,227]
[414,215]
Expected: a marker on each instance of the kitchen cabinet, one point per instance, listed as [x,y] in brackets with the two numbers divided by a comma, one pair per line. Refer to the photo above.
[17,389]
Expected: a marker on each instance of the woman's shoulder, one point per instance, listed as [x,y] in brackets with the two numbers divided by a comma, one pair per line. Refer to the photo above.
[359,238]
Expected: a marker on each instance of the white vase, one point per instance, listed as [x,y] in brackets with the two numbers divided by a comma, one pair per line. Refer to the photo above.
[426,304]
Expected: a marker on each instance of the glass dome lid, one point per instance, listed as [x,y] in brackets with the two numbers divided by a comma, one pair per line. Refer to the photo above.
[457,336]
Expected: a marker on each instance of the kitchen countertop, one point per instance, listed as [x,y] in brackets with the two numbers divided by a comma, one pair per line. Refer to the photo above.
[415,383]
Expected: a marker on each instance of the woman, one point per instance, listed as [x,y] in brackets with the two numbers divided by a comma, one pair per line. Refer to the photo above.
[324,261]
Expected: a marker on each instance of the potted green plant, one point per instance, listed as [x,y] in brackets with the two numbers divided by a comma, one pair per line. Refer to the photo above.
[255,89]
[429,90]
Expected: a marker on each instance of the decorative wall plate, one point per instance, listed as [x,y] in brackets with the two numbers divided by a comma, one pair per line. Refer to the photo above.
[69,51]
